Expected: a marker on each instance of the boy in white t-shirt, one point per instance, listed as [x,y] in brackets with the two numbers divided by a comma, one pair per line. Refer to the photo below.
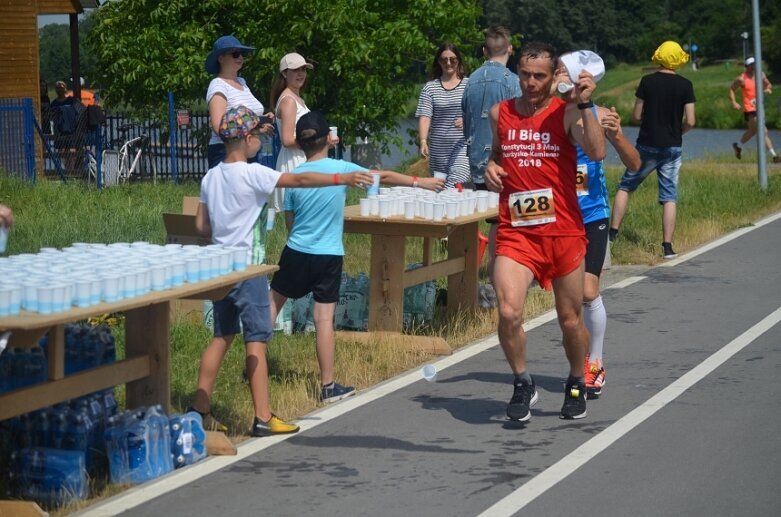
[232,197]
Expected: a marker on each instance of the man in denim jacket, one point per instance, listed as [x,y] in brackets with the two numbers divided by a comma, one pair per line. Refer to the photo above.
[493,82]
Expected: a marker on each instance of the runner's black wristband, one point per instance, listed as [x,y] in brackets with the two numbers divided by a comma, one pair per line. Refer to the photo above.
[585,105]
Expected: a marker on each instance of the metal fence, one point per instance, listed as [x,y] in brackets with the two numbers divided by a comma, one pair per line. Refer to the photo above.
[17,144]
[176,148]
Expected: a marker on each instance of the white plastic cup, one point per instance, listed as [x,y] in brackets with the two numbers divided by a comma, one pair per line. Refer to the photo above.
[365,206]
[226,261]
[30,297]
[5,300]
[429,372]
[374,206]
[271,213]
[239,258]
[158,278]
[83,292]
[441,175]
[95,291]
[60,298]
[428,210]
[214,264]
[192,269]
[374,189]
[409,210]
[3,238]
[482,201]
[333,132]
[110,288]
[386,206]
[493,199]
[45,299]
[452,209]
[179,271]
[439,211]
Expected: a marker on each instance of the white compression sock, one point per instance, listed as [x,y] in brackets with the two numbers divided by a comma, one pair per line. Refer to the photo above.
[595,318]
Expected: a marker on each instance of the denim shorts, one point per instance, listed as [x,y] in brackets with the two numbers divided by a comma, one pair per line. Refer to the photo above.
[247,302]
[666,161]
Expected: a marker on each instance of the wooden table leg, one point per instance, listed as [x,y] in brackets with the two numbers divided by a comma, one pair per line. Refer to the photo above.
[147,333]
[386,283]
[462,287]
[56,350]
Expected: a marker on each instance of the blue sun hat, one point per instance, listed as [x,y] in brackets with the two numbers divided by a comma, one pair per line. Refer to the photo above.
[220,47]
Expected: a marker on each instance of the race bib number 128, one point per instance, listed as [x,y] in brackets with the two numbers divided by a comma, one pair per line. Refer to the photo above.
[532,207]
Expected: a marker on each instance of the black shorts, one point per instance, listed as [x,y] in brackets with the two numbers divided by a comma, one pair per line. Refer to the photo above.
[748,115]
[301,273]
[596,233]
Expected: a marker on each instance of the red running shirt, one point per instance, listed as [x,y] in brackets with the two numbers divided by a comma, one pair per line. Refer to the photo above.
[541,163]
[749,93]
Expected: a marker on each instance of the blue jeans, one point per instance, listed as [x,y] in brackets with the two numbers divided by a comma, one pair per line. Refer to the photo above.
[666,161]
[247,301]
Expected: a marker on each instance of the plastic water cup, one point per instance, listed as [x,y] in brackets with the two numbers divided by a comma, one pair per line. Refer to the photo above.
[226,261]
[214,264]
[493,199]
[482,201]
[158,277]
[240,256]
[271,213]
[30,297]
[333,132]
[374,189]
[3,238]
[178,273]
[409,210]
[192,269]
[110,288]
[374,206]
[451,209]
[365,205]
[45,299]
[94,291]
[386,205]
[429,372]
[5,300]
[441,175]
[60,298]
[439,211]
[204,267]
[83,293]
[428,210]
[169,275]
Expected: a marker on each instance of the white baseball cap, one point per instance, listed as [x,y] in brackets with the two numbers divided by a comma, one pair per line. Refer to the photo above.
[576,62]
[749,61]
[293,61]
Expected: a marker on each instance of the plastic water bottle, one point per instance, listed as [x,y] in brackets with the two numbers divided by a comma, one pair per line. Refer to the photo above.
[37,365]
[117,450]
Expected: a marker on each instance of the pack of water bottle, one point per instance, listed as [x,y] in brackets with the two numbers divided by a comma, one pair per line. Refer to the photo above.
[188,439]
[138,445]
[20,367]
[52,451]
[52,477]
[419,302]
[352,310]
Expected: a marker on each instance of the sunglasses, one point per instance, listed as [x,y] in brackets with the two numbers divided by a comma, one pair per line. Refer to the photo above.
[236,54]
[446,60]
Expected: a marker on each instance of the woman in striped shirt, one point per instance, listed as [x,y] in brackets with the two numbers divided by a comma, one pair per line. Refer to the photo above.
[440,119]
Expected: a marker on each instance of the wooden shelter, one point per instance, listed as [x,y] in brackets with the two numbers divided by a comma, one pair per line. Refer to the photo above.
[19,52]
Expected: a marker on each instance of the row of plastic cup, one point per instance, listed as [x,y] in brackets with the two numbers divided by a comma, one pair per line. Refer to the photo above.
[414,203]
[84,274]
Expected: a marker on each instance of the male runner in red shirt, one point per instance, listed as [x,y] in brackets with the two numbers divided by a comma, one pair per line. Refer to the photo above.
[747,83]
[541,234]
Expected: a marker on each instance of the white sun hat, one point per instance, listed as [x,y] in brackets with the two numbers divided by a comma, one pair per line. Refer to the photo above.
[576,62]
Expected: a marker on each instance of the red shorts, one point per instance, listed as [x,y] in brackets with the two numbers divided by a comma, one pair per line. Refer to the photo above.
[547,257]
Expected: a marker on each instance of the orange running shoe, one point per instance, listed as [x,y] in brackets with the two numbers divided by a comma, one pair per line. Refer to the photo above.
[595,378]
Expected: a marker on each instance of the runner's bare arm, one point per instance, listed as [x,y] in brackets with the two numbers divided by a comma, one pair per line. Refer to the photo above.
[611,123]
[493,171]
[737,83]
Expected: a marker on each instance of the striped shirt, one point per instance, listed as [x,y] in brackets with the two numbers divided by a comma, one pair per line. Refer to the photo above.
[447,146]
[235,99]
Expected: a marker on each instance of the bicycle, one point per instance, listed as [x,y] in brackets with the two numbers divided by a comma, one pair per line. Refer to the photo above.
[133,160]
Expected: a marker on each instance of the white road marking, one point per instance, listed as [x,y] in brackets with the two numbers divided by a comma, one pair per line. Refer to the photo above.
[560,470]
[626,282]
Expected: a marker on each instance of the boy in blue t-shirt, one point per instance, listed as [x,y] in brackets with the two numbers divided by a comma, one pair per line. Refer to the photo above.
[232,198]
[312,258]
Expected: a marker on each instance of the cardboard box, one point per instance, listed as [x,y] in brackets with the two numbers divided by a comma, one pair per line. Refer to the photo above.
[180,229]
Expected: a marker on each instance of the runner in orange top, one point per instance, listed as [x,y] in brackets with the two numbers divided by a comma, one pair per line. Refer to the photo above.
[747,83]
[541,235]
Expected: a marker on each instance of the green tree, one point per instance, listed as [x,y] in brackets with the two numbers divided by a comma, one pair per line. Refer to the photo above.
[367,53]
[55,51]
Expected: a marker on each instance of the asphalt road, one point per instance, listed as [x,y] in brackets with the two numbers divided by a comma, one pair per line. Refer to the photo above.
[687,424]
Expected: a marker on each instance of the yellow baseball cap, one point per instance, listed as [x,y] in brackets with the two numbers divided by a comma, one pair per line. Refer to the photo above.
[670,55]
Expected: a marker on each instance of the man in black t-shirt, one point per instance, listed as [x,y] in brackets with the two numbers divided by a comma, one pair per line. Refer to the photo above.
[665,109]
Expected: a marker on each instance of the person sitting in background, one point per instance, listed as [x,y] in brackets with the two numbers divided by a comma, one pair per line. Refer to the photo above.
[312,258]
[232,198]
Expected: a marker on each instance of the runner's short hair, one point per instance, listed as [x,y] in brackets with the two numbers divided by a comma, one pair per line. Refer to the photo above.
[538,49]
